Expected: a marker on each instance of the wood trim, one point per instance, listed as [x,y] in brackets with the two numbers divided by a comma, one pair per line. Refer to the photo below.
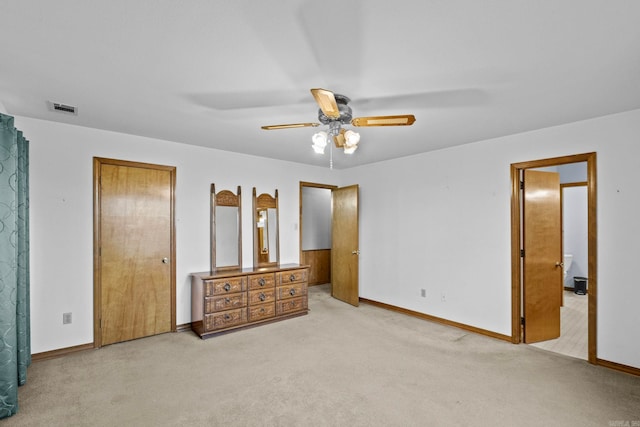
[97,241]
[319,261]
[435,319]
[46,355]
[574,184]
[185,327]
[618,367]
[516,296]
[516,260]
[592,255]
[313,184]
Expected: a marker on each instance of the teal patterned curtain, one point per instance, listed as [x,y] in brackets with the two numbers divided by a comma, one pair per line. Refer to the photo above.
[15,329]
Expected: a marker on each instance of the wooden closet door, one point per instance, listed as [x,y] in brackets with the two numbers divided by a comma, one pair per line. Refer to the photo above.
[136,271]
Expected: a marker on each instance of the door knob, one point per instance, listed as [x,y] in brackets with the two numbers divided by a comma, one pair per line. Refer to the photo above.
[559,264]
[165,260]
[356,252]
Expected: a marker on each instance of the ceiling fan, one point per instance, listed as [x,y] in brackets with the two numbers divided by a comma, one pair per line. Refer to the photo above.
[335,112]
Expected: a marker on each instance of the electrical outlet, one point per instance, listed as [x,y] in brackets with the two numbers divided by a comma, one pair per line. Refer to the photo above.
[423,293]
[66,318]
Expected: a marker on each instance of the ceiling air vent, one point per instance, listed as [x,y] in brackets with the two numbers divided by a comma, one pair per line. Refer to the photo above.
[63,108]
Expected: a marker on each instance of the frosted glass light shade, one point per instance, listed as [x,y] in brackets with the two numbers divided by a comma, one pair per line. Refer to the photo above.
[351,138]
[350,149]
[319,142]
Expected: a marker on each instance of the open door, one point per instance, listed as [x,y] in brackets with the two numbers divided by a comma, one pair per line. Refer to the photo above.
[344,245]
[542,263]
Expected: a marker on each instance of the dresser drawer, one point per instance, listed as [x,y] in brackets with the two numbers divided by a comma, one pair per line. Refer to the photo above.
[292,276]
[262,311]
[291,305]
[292,291]
[225,302]
[261,281]
[225,286]
[225,319]
[262,296]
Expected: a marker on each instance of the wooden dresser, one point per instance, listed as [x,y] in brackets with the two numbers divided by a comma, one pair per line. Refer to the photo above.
[234,299]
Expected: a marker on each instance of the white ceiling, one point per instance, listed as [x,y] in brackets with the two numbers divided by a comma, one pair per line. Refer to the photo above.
[210,73]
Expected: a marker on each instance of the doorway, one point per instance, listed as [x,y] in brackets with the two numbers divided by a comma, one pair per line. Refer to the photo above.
[518,231]
[329,242]
[134,250]
[315,231]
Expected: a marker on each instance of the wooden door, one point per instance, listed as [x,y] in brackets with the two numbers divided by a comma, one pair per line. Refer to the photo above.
[135,277]
[344,245]
[542,264]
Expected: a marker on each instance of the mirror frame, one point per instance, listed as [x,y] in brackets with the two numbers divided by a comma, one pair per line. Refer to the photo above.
[225,198]
[265,201]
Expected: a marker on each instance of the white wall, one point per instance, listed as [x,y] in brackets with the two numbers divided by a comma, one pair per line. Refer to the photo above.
[316,218]
[451,233]
[61,197]
[573,172]
[450,236]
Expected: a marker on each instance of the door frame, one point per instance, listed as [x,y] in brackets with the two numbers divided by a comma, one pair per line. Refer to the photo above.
[97,239]
[516,243]
[300,220]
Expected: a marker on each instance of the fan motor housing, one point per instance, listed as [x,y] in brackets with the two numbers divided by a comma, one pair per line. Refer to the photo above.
[345,112]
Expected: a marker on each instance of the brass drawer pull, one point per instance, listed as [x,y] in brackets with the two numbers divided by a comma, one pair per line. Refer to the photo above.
[227,287]
[292,278]
[262,296]
[262,282]
[227,300]
[227,317]
[292,292]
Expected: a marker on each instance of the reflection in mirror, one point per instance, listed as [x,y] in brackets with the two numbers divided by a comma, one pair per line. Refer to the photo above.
[266,249]
[263,231]
[272,215]
[226,230]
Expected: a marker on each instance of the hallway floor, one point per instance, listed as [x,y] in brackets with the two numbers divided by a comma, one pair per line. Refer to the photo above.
[574,328]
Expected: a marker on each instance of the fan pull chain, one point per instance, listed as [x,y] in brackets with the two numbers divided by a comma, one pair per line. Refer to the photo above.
[330,156]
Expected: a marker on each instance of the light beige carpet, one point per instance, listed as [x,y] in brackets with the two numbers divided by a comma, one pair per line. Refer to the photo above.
[337,366]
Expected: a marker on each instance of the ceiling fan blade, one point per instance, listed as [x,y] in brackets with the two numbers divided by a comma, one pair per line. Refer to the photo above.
[291,126]
[327,102]
[402,120]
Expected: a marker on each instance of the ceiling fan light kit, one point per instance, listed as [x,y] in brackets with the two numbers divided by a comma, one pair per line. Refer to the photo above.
[335,112]
[319,141]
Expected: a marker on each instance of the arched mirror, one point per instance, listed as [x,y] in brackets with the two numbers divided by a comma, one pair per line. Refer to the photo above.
[266,244]
[226,230]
